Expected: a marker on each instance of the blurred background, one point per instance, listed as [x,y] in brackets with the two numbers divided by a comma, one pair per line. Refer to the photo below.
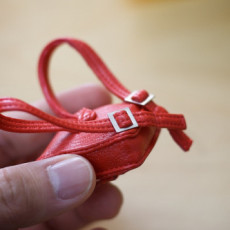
[177,49]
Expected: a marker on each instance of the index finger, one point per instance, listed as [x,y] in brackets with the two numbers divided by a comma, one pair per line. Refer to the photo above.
[19,147]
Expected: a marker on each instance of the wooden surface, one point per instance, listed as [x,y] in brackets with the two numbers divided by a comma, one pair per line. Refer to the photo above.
[178,50]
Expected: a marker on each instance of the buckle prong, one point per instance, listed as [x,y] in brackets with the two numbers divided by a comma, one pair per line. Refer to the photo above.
[115,124]
[143,103]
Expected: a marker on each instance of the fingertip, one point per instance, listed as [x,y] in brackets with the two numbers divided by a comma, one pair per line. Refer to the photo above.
[73,178]
[44,189]
[105,203]
[110,193]
[88,95]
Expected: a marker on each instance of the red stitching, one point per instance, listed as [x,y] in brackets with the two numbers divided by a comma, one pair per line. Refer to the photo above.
[109,141]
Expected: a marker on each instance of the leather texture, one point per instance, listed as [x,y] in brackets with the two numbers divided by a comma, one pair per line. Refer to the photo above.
[92,133]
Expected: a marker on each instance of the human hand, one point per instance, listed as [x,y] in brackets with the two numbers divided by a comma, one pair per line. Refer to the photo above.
[55,193]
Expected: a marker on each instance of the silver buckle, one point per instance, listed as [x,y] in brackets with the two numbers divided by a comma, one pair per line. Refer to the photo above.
[146,101]
[114,122]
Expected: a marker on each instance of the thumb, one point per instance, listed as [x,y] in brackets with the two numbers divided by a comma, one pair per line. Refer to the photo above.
[34,192]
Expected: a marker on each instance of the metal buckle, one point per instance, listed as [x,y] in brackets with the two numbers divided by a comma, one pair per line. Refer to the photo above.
[146,101]
[114,122]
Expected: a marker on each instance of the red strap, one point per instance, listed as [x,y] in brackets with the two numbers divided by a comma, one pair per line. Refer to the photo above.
[50,123]
[94,62]
[157,116]
[178,135]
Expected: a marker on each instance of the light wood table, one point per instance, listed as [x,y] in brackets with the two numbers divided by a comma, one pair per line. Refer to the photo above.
[178,50]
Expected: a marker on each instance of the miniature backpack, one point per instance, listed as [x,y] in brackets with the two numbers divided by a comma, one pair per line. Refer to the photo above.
[115,138]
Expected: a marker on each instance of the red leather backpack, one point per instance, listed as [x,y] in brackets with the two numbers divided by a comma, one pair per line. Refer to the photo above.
[115,138]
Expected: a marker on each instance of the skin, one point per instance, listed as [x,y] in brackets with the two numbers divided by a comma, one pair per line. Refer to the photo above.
[26,197]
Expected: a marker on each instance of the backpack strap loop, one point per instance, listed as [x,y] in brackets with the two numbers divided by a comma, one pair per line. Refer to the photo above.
[93,61]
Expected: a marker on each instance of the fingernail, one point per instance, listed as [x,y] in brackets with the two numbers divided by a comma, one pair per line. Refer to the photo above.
[70,178]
